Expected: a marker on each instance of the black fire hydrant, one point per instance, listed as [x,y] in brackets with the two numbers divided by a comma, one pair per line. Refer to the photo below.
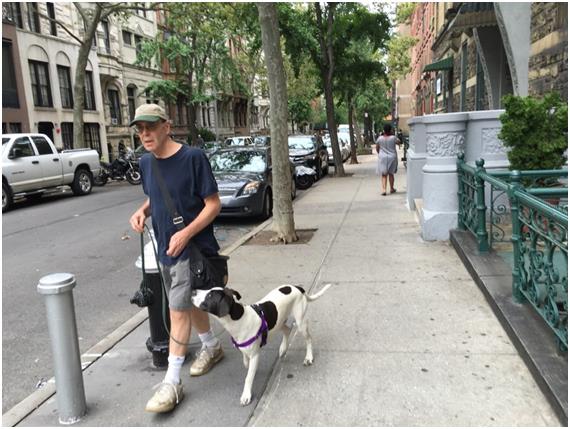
[151,295]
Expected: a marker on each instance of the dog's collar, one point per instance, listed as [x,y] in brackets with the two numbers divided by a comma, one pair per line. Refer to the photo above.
[261,332]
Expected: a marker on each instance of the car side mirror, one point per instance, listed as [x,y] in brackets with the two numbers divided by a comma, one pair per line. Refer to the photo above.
[16,152]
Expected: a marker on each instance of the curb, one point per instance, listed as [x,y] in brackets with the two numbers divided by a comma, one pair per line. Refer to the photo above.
[24,408]
[29,404]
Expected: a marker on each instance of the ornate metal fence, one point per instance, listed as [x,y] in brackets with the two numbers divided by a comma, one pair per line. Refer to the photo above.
[539,235]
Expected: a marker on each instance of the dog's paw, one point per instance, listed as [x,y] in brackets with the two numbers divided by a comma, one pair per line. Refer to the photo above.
[308,361]
[245,399]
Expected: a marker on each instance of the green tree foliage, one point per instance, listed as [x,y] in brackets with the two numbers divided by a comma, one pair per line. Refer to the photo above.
[325,33]
[404,12]
[195,46]
[399,59]
[374,100]
[535,131]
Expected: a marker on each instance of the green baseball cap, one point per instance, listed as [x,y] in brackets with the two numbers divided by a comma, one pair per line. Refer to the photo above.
[149,113]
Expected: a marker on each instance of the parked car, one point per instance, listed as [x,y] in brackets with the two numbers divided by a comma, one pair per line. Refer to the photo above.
[211,147]
[31,166]
[262,141]
[343,146]
[309,151]
[245,181]
[239,141]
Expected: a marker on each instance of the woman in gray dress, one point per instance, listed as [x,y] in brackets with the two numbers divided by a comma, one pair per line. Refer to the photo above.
[387,157]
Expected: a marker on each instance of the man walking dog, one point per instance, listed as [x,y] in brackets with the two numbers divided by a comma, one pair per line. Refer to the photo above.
[188,177]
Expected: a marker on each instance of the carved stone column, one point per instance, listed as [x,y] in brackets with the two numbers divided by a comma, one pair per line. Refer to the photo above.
[445,140]
[416,159]
[482,141]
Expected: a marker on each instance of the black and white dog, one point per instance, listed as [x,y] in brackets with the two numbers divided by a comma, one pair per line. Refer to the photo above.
[249,325]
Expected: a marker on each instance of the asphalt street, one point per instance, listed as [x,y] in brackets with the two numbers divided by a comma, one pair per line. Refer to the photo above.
[89,237]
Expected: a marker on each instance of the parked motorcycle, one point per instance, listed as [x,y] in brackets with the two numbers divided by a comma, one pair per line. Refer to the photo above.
[304,176]
[125,167]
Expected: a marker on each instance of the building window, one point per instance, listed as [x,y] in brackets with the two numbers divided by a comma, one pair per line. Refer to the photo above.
[12,13]
[51,14]
[463,101]
[141,12]
[106,36]
[89,92]
[65,88]
[33,17]
[127,38]
[67,135]
[149,98]
[9,88]
[131,98]
[114,106]
[138,43]
[41,90]
[91,136]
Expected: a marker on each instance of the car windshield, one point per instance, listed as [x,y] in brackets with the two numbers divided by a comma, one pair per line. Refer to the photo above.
[301,143]
[236,141]
[260,140]
[246,161]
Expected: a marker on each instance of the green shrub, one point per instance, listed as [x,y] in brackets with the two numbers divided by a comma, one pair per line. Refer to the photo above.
[535,131]
[206,134]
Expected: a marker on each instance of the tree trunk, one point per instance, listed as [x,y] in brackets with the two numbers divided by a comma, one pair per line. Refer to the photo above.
[283,219]
[327,70]
[353,159]
[79,86]
[357,131]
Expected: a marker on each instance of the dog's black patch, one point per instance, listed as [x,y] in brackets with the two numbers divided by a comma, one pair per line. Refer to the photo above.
[301,289]
[270,311]
[285,290]
[236,311]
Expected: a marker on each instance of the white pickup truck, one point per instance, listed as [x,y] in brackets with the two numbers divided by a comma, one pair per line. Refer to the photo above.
[31,165]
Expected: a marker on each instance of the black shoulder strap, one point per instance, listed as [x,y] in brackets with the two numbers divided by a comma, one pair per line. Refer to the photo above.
[177,220]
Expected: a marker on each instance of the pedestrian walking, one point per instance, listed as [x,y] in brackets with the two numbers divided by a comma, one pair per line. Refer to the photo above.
[188,177]
[387,157]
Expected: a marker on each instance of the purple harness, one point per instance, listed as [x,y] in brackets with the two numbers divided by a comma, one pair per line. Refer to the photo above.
[261,332]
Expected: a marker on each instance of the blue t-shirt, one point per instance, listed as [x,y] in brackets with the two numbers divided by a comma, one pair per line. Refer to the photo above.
[188,177]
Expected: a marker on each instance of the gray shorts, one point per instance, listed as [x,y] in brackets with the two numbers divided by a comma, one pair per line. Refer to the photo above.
[178,285]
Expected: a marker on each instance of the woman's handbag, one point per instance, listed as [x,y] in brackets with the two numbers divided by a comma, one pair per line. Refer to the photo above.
[206,272]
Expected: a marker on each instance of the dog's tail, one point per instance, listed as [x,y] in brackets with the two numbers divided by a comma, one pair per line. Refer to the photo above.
[319,293]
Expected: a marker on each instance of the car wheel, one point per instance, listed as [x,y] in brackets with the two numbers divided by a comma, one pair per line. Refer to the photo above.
[267,208]
[7,197]
[319,171]
[82,182]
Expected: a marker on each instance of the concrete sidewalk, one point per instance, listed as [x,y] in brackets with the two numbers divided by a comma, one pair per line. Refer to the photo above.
[403,338]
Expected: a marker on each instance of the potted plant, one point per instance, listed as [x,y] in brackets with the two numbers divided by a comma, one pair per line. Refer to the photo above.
[535,133]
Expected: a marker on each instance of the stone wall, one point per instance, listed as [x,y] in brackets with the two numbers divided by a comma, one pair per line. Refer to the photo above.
[548,63]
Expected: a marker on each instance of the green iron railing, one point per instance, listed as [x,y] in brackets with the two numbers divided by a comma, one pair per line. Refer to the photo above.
[539,234]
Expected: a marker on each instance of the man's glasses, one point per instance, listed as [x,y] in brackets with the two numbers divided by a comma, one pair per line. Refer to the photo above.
[151,126]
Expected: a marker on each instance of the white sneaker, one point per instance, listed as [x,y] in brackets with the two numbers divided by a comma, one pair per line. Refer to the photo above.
[165,398]
[206,359]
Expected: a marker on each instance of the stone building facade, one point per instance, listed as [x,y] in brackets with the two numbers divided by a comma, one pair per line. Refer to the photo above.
[39,93]
[14,106]
[548,63]
[483,51]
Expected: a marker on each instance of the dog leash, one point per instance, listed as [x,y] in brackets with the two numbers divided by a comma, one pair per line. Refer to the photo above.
[261,332]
